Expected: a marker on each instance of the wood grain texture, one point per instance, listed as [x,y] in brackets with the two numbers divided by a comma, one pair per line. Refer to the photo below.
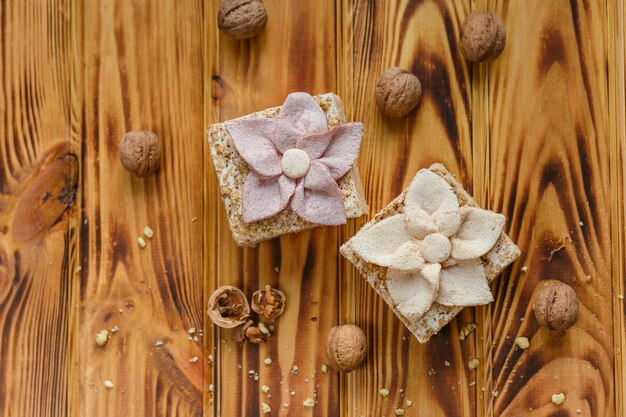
[421,37]
[38,180]
[296,52]
[549,170]
[143,69]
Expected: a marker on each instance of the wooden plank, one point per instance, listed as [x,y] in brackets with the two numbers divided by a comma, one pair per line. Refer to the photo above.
[38,180]
[296,52]
[549,167]
[143,69]
[421,37]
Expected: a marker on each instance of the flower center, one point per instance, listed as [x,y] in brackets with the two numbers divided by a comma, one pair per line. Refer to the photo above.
[436,248]
[295,163]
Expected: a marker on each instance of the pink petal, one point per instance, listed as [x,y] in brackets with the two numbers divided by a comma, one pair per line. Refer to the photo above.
[253,140]
[343,149]
[264,198]
[318,198]
[300,116]
[316,144]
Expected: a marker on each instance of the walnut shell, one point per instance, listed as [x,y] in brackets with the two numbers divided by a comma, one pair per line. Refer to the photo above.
[242,19]
[228,307]
[346,347]
[556,307]
[140,152]
[397,92]
[482,36]
[269,303]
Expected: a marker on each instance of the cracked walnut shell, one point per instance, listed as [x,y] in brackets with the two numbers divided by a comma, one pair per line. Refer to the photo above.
[556,307]
[242,19]
[140,152]
[482,37]
[397,92]
[228,307]
[269,303]
[346,347]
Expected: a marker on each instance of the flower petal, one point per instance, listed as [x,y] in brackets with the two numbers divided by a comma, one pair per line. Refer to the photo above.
[479,232]
[419,223]
[464,284]
[379,242]
[318,198]
[343,149]
[253,140]
[412,293]
[300,116]
[264,198]
[315,145]
[432,194]
[407,258]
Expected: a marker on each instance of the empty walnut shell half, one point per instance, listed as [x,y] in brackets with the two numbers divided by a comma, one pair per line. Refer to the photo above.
[556,307]
[269,303]
[228,307]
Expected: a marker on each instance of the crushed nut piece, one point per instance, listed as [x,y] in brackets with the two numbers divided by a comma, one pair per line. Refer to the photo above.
[471,384]
[383,392]
[77,269]
[309,402]
[294,370]
[148,232]
[409,403]
[102,338]
[399,412]
[141,242]
[192,330]
[211,388]
[495,393]
[268,361]
[522,342]
[324,368]
[158,343]
[108,384]
[292,393]
[473,364]
[558,399]
[265,389]
[115,329]
[466,330]
[210,358]
[251,333]
[524,268]
[446,363]
[266,408]
[194,359]
[263,328]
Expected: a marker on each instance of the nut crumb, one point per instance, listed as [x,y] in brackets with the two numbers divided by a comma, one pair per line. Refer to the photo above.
[211,358]
[466,330]
[148,232]
[495,393]
[579,411]
[524,268]
[558,399]
[399,412]
[446,363]
[102,338]
[620,296]
[268,361]
[473,364]
[141,242]
[266,408]
[522,342]
[324,368]
[294,370]
[265,389]
[158,343]
[384,392]
[471,384]
[192,330]
[77,269]
[194,359]
[263,328]
[115,329]
[292,393]
[108,384]
[308,402]
[409,403]
[211,388]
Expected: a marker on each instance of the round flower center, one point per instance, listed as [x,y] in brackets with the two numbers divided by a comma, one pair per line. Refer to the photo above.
[295,163]
[436,248]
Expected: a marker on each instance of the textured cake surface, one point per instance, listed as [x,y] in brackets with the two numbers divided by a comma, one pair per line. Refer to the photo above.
[501,255]
[232,170]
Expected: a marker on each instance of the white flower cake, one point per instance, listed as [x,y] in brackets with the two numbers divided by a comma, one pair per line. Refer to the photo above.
[431,252]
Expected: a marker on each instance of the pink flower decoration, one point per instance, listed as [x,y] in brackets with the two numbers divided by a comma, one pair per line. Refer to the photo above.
[295,160]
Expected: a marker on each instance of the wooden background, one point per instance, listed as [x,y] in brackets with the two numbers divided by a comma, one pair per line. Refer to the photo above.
[538,134]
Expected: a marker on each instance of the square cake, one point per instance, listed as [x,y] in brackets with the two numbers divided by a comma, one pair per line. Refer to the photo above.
[415,274]
[233,170]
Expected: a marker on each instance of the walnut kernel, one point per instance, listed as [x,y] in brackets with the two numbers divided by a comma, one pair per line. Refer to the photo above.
[482,36]
[140,152]
[556,307]
[269,303]
[346,347]
[242,19]
[397,92]
[228,307]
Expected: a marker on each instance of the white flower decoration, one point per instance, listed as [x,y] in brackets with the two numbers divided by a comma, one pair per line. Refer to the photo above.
[433,249]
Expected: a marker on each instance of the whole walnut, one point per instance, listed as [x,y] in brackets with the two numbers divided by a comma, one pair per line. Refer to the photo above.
[556,307]
[242,19]
[346,347]
[482,36]
[397,92]
[140,152]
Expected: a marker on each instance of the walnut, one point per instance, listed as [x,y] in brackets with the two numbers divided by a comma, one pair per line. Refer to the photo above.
[482,36]
[242,19]
[253,334]
[140,152]
[556,307]
[269,303]
[397,92]
[228,307]
[346,347]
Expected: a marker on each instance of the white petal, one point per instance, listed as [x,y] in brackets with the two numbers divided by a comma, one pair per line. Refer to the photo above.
[464,284]
[428,191]
[411,292]
[407,258]
[419,223]
[479,232]
[378,243]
